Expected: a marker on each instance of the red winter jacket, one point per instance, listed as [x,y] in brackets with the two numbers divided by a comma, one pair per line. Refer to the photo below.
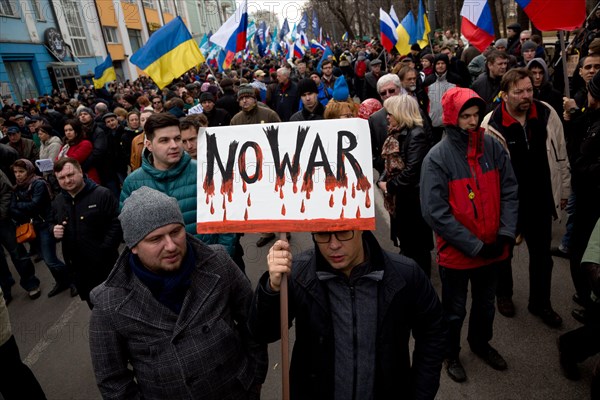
[468,188]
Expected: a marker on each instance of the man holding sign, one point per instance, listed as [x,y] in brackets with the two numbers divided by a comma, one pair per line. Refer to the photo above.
[355,306]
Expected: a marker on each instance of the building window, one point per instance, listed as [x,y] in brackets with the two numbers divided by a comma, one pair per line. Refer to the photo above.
[37,10]
[21,77]
[149,4]
[135,39]
[8,8]
[110,34]
[75,28]
[166,6]
[129,1]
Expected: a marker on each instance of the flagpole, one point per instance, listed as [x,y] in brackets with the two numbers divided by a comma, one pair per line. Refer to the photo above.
[561,37]
[213,74]
[285,341]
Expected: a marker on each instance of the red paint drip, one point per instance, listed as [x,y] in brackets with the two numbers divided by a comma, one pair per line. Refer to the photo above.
[212,208]
[229,196]
[208,189]
[307,186]
[357,212]
[223,204]
[249,202]
[307,195]
[368,201]
[302,208]
[246,215]
[342,214]
[207,198]
[353,191]
[331,183]
[344,199]
[224,215]
[281,193]
[283,209]
[331,202]
[363,184]
[244,186]
[295,187]
[227,187]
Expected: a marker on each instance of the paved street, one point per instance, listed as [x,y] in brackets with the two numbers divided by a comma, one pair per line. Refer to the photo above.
[52,336]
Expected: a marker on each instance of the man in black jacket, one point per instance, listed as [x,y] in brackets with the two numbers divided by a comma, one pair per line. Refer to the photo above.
[487,85]
[355,306]
[216,116]
[312,109]
[86,220]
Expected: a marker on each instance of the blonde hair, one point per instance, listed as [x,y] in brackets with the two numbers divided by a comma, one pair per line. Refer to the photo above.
[404,109]
[335,109]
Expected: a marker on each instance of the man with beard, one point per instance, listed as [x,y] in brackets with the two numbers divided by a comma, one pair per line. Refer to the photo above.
[527,128]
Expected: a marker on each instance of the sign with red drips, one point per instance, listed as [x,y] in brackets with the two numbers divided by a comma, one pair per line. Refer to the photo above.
[286,177]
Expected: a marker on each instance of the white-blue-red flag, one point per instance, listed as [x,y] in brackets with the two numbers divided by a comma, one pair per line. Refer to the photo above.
[477,26]
[316,46]
[389,36]
[394,16]
[298,49]
[232,35]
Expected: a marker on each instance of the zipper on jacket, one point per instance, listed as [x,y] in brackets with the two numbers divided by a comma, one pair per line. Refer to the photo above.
[354,342]
[472,198]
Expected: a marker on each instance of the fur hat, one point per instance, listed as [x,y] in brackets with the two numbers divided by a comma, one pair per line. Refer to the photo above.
[307,85]
[146,210]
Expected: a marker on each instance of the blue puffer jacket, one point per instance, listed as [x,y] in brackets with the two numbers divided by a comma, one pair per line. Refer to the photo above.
[178,182]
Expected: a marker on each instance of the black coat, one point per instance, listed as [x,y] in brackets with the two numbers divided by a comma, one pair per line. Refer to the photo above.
[407,303]
[228,102]
[218,117]
[92,234]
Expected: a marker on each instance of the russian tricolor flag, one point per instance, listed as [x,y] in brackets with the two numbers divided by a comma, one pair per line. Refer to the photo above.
[389,37]
[566,15]
[316,46]
[298,50]
[477,25]
[232,35]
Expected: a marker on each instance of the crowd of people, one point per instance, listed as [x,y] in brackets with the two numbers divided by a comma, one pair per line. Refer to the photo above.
[475,153]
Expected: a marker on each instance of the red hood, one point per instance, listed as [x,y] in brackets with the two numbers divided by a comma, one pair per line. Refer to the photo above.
[454,100]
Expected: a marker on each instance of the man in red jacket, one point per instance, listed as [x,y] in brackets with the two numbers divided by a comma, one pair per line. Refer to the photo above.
[469,198]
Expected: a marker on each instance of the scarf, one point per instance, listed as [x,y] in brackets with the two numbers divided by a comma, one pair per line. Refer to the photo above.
[170,288]
[31,176]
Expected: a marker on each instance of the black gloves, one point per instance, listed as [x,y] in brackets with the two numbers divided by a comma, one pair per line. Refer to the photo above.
[494,250]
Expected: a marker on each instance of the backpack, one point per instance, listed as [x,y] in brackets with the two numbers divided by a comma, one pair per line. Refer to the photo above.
[361,68]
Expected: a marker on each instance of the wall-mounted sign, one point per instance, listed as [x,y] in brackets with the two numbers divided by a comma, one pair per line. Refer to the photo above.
[55,42]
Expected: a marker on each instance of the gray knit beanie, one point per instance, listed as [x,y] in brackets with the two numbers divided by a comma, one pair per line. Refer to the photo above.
[146,210]
[528,45]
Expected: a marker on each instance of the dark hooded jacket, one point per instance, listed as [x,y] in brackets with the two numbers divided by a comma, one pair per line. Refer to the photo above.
[546,91]
[468,188]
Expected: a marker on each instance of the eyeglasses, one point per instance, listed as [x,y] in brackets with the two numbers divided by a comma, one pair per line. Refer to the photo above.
[157,102]
[524,39]
[325,237]
[590,66]
[386,92]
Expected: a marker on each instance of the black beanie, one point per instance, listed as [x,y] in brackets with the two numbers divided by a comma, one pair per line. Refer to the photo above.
[207,96]
[307,85]
[594,86]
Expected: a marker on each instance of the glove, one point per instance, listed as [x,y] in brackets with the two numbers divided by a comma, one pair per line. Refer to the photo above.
[490,250]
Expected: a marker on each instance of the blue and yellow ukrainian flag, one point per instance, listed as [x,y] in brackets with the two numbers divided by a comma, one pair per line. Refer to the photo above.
[170,52]
[104,73]
[345,36]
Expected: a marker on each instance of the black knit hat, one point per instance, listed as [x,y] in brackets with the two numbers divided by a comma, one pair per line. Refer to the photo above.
[594,86]
[207,96]
[307,85]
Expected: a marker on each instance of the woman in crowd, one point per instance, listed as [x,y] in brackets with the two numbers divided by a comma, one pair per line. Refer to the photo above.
[77,147]
[403,152]
[31,202]
[50,144]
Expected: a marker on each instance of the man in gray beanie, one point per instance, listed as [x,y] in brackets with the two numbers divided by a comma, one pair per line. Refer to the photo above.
[186,298]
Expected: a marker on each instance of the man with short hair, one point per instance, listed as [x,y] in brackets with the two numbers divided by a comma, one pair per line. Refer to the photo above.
[469,198]
[285,99]
[355,306]
[189,136]
[175,310]
[157,104]
[527,128]
[116,160]
[543,89]
[387,86]
[86,221]
[216,116]
[487,85]
[327,78]
[411,83]
[312,109]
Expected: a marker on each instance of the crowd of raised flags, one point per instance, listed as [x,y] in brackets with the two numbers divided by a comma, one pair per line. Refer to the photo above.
[237,38]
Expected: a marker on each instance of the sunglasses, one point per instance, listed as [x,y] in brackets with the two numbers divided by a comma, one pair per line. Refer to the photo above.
[386,92]
[325,237]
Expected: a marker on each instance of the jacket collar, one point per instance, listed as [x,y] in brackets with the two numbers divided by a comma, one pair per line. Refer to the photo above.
[508,120]
[160,175]
[138,304]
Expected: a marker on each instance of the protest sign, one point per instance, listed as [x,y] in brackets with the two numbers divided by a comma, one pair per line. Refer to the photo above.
[286,177]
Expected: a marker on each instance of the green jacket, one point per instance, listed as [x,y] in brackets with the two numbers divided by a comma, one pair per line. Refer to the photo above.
[178,182]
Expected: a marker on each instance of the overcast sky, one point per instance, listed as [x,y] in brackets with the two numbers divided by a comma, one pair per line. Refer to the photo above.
[290,9]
